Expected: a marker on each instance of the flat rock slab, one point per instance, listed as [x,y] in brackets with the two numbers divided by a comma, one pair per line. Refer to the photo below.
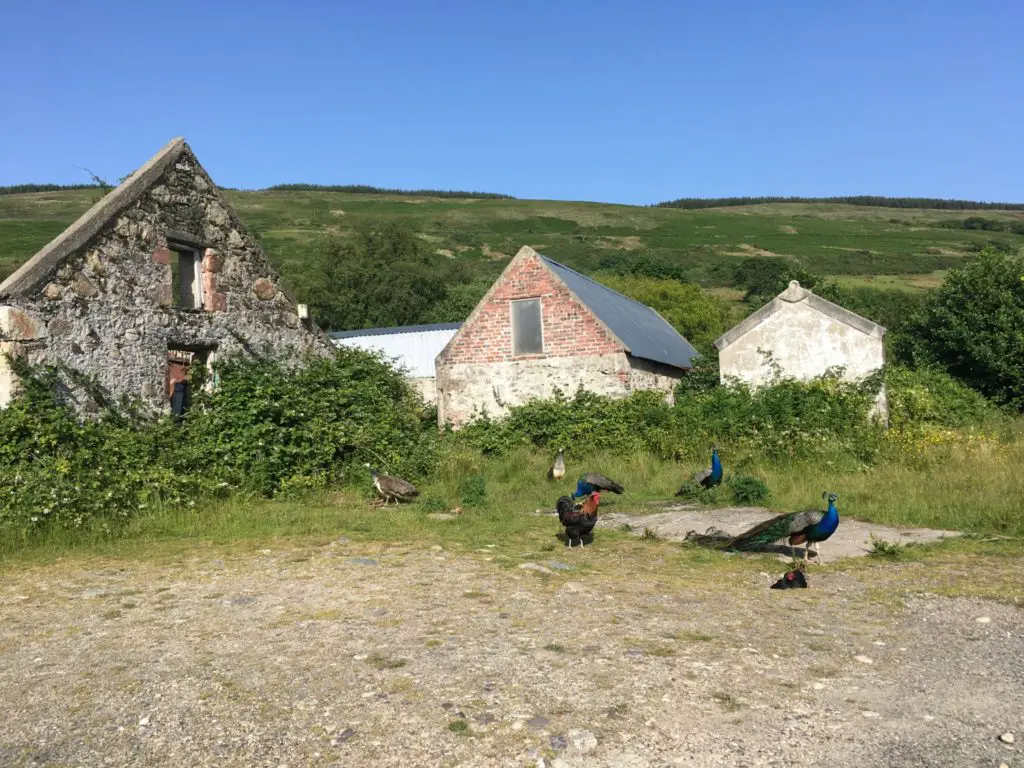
[853,539]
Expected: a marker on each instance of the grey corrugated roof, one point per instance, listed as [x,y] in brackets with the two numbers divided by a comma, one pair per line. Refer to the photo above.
[394,329]
[645,333]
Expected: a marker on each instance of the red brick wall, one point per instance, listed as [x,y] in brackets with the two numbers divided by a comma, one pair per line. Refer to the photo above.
[569,329]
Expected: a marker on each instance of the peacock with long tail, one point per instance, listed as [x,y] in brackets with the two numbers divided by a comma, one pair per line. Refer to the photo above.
[578,519]
[810,527]
[592,482]
[557,471]
[707,478]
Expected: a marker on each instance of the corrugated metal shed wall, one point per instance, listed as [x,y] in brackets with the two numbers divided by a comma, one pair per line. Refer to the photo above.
[415,350]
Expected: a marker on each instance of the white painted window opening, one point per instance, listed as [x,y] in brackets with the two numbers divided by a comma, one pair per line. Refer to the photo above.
[187,276]
[527,327]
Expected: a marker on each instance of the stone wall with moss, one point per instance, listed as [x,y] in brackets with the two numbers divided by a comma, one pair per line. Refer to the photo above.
[109,311]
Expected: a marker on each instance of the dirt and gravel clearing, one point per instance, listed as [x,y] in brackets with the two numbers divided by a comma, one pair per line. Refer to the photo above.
[626,653]
[853,539]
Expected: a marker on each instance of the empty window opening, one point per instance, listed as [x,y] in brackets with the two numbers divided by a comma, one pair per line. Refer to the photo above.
[527,329]
[186,277]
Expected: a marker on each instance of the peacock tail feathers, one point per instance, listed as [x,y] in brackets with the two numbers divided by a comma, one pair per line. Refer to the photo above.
[712,537]
[770,531]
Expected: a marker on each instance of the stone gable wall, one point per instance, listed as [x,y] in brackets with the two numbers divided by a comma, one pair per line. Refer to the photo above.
[108,310]
[804,343]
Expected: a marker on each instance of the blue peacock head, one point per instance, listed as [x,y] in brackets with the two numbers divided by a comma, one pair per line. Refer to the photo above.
[832,498]
[373,472]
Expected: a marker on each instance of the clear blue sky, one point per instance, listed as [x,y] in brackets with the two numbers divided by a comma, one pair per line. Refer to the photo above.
[631,102]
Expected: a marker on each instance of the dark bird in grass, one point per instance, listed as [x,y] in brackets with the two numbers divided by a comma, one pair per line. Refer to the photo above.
[794,579]
[557,471]
[707,478]
[592,482]
[809,528]
[578,519]
[392,487]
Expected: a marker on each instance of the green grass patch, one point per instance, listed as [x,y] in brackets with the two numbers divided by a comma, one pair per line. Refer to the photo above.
[382,662]
[968,487]
[459,727]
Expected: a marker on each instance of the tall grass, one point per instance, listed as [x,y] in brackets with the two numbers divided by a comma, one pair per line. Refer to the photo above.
[973,488]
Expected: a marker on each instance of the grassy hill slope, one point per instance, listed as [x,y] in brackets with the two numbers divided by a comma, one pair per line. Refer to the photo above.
[891,247]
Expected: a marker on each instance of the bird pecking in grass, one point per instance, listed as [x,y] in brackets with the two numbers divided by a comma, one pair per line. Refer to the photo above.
[592,482]
[390,487]
[578,519]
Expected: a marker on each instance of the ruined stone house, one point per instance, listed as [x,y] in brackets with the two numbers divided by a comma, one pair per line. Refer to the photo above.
[800,335]
[159,275]
[543,326]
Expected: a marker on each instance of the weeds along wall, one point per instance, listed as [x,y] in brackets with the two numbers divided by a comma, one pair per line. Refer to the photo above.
[273,432]
[266,430]
[790,420]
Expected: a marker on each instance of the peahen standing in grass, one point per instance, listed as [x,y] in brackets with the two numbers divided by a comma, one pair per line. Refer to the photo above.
[592,482]
[809,528]
[557,471]
[578,519]
[707,478]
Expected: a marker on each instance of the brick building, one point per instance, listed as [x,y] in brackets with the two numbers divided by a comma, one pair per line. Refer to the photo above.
[543,325]
[157,276]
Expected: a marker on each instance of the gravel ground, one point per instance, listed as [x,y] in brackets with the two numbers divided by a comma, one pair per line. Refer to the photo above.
[345,655]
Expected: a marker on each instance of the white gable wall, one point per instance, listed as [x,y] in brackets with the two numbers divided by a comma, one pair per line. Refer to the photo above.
[804,343]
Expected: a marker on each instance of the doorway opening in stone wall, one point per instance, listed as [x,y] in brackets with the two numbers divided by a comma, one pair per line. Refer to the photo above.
[186,276]
[188,368]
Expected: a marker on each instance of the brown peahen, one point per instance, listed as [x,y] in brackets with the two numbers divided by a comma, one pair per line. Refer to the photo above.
[390,487]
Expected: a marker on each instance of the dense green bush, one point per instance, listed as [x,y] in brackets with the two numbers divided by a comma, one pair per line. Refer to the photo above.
[746,489]
[266,425]
[791,418]
[930,396]
[384,277]
[972,326]
[55,469]
[266,429]
[762,279]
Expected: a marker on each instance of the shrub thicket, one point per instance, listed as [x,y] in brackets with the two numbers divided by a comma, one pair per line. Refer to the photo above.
[971,327]
[791,418]
[746,489]
[266,430]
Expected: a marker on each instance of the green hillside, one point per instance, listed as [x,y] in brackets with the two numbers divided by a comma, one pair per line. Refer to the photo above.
[471,239]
